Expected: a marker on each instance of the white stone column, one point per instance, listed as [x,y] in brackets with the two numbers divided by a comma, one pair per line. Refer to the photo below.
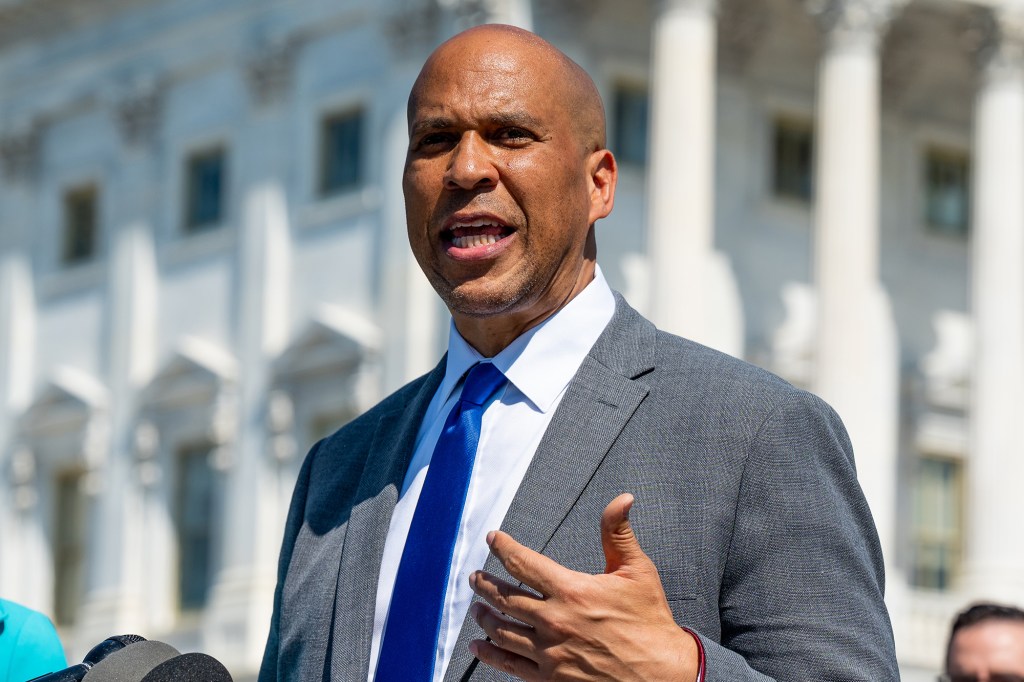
[115,600]
[515,12]
[995,505]
[692,292]
[241,599]
[856,366]
[20,526]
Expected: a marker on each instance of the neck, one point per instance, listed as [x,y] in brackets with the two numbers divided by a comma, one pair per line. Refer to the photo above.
[493,334]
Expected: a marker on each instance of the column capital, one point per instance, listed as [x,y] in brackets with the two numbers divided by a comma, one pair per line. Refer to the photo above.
[853,22]
[996,36]
[19,150]
[270,67]
[137,112]
[697,6]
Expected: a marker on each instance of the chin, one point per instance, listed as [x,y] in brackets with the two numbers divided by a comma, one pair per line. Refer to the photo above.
[473,302]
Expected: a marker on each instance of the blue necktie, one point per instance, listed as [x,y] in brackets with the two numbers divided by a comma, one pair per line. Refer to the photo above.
[414,618]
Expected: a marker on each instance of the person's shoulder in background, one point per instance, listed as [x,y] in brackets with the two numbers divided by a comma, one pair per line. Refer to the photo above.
[29,645]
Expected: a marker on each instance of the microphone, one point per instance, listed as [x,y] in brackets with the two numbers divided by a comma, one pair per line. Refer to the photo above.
[131,664]
[192,667]
[76,673]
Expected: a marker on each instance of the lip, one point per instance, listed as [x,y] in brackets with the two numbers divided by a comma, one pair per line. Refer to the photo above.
[483,251]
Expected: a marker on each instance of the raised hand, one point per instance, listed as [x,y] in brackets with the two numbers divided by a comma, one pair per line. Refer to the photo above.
[612,626]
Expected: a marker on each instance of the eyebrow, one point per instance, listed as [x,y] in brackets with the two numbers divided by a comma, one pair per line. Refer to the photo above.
[501,118]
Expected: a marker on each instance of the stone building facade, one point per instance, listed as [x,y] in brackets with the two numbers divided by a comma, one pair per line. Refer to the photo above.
[203,268]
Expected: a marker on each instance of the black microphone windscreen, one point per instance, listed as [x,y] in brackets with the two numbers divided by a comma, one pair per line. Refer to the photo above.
[189,668]
[132,663]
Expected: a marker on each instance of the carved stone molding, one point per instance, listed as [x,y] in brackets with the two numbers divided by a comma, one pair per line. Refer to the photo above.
[853,22]
[19,152]
[270,68]
[138,113]
[413,24]
[996,38]
[741,25]
[902,58]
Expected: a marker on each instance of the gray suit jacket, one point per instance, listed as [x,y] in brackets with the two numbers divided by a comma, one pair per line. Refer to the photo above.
[746,500]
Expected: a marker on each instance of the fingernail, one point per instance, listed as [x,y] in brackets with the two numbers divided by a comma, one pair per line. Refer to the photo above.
[474,647]
[472,579]
[475,609]
[490,538]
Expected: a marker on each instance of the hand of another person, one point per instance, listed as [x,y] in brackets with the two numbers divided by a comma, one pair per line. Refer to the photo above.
[612,626]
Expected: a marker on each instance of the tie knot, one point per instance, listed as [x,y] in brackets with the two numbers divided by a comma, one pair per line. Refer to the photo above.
[482,382]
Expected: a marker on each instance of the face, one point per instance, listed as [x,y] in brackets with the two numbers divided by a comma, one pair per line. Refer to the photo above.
[989,651]
[500,190]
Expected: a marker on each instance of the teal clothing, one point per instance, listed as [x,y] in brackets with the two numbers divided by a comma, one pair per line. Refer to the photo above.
[29,645]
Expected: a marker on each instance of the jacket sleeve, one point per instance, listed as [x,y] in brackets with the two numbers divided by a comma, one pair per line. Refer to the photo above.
[296,517]
[802,591]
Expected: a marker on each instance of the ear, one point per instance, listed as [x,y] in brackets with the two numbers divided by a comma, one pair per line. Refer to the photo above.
[602,175]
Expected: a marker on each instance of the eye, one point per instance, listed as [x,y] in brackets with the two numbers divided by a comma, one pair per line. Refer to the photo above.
[516,137]
[435,141]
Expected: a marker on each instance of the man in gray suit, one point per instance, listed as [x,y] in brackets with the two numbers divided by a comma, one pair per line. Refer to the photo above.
[742,549]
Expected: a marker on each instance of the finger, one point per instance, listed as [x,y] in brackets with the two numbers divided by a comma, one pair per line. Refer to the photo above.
[506,661]
[621,548]
[508,598]
[504,632]
[527,566]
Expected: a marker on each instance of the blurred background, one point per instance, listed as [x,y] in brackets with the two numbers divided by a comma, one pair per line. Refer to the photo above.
[204,269]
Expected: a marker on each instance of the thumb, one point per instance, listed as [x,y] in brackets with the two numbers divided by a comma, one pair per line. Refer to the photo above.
[621,548]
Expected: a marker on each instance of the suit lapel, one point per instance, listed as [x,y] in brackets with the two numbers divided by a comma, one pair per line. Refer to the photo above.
[598,403]
[386,464]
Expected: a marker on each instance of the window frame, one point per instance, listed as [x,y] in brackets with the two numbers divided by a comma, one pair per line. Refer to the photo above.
[795,124]
[358,113]
[949,153]
[191,157]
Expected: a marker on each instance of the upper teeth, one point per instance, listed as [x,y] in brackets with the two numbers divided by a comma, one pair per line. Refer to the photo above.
[479,222]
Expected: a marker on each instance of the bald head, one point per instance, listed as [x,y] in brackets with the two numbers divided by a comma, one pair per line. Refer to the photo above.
[509,49]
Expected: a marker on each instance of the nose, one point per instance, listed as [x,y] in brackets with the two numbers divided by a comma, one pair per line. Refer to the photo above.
[470,165]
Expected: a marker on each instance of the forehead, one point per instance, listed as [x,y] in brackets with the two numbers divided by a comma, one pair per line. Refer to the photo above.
[482,76]
[995,644]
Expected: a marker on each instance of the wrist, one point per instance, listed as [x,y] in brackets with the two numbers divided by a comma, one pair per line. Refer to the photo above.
[694,655]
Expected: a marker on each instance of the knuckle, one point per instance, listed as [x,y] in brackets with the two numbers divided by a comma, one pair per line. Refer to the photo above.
[514,563]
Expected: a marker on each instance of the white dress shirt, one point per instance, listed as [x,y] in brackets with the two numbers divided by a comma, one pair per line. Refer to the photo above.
[539,365]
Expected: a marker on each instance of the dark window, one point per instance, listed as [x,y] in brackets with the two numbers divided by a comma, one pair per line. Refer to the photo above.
[631,111]
[793,159]
[938,521]
[69,547]
[947,198]
[341,152]
[195,517]
[80,225]
[205,183]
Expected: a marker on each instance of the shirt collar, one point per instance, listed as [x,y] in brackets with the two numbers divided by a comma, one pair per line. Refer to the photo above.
[541,362]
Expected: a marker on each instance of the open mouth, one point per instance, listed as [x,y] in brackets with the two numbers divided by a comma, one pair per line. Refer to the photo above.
[469,234]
